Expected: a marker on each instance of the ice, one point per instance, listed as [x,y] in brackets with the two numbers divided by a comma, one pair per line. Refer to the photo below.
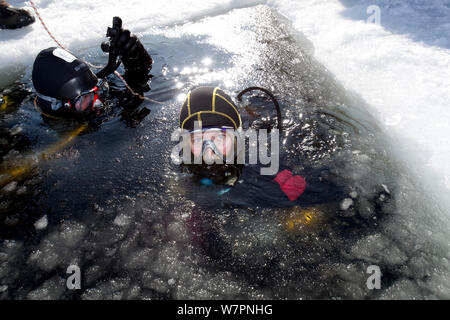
[122,220]
[10,187]
[402,290]
[400,68]
[346,203]
[22,190]
[114,289]
[378,249]
[16,130]
[140,259]
[92,274]
[52,289]
[177,232]
[70,235]
[156,284]
[366,209]
[59,247]
[73,25]
[41,223]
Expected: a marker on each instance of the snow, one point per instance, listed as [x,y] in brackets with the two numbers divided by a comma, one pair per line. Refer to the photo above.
[42,223]
[82,24]
[400,67]
[346,203]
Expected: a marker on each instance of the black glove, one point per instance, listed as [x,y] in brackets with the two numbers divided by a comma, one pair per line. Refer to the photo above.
[136,60]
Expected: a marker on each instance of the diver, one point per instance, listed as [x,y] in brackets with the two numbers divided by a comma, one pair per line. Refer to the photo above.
[207,116]
[220,185]
[13,18]
[67,88]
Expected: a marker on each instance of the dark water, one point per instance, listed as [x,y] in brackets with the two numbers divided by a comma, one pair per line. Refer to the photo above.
[118,207]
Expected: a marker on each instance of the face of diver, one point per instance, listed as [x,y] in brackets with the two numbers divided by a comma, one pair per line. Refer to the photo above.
[90,100]
[213,144]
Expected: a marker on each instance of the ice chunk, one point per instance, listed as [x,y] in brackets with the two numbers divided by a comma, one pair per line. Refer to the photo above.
[50,290]
[71,234]
[366,210]
[177,231]
[42,223]
[346,203]
[402,290]
[10,187]
[353,194]
[379,249]
[22,190]
[114,289]
[122,220]
[140,259]
[16,130]
[385,189]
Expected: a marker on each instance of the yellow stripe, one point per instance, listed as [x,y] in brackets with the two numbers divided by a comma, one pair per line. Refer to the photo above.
[201,112]
[189,103]
[188,98]
[214,99]
[234,108]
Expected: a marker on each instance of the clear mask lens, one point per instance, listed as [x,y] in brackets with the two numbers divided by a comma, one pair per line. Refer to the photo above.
[217,140]
[84,102]
[90,100]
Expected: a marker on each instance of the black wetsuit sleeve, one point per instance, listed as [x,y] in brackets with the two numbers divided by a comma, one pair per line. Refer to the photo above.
[137,62]
[256,190]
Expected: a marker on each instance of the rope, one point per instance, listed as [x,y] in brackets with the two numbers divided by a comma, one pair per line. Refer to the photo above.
[44,25]
[90,65]
[118,75]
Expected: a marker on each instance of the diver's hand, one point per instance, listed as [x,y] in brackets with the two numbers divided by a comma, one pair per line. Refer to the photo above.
[132,52]
[136,60]
[126,43]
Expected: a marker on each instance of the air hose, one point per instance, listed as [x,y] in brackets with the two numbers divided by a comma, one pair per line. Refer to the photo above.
[271,96]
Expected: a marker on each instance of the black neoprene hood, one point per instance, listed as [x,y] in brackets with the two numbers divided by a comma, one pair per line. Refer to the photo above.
[211,107]
[59,74]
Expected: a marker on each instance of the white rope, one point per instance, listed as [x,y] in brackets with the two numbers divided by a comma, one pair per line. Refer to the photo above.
[91,65]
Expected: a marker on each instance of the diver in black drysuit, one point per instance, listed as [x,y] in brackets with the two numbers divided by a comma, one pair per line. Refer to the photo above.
[236,185]
[67,88]
[212,188]
[308,198]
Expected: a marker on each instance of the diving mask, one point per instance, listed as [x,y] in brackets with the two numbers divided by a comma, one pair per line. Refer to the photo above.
[218,140]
